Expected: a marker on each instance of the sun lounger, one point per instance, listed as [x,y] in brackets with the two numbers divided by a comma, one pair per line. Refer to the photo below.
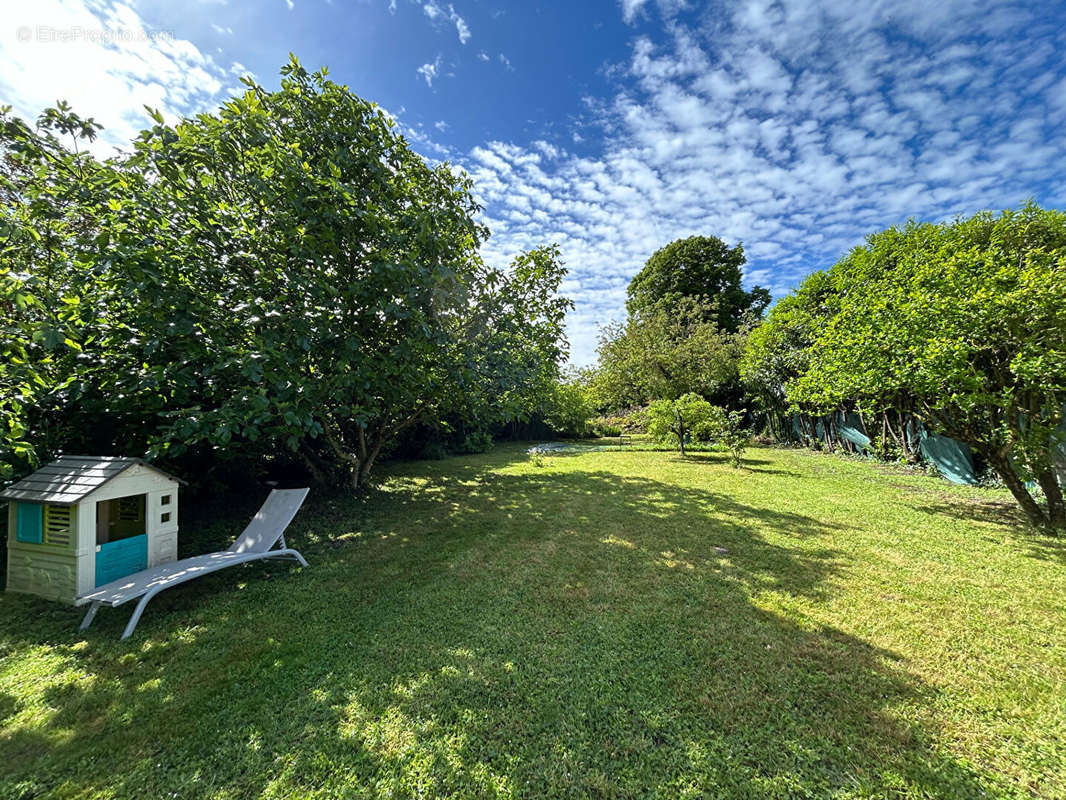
[256,543]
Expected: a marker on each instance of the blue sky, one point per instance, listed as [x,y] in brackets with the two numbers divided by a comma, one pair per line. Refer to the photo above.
[612,128]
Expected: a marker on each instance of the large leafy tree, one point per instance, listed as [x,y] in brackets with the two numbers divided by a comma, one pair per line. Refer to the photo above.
[282,275]
[53,195]
[662,353]
[702,267]
[964,321]
[310,262]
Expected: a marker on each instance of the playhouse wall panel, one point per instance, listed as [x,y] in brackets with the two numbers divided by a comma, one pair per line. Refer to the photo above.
[164,548]
[163,518]
[46,572]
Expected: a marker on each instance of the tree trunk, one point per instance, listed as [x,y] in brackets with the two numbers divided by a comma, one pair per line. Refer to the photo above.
[367,462]
[318,475]
[906,423]
[1056,510]
[353,462]
[1001,464]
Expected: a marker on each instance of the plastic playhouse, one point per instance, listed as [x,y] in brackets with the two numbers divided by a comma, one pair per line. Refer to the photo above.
[84,521]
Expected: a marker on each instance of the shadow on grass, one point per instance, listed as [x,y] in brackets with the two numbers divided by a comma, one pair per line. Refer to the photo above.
[1008,519]
[486,634]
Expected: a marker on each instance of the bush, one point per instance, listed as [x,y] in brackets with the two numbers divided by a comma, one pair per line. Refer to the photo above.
[568,409]
[731,435]
[477,442]
[689,418]
[959,324]
[434,451]
[630,420]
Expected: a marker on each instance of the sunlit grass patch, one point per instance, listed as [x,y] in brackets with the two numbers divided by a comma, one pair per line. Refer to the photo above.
[611,623]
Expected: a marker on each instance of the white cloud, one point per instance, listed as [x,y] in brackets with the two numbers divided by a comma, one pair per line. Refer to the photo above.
[460,26]
[238,70]
[107,62]
[793,127]
[436,12]
[630,9]
[430,70]
[483,56]
[441,125]
[221,31]
[505,61]
[633,9]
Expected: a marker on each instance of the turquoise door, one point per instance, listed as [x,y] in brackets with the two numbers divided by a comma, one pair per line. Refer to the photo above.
[120,558]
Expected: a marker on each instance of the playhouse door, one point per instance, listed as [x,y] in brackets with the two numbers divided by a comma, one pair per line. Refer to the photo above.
[118,559]
[121,537]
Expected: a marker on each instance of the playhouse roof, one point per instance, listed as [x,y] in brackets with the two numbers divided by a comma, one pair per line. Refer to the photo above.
[68,479]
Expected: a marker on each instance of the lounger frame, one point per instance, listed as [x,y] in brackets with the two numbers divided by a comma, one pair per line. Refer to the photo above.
[255,544]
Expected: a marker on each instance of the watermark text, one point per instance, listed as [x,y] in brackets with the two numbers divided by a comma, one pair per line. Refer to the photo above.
[49,34]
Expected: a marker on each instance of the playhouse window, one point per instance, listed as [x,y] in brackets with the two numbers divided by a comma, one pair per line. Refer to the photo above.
[120,518]
[29,522]
[164,500]
[59,525]
[44,524]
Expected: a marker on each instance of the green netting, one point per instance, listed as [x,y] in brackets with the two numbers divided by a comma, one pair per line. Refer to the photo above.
[848,426]
[952,457]
[851,428]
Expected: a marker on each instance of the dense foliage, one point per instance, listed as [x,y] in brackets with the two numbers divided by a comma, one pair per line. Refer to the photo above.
[665,352]
[703,268]
[569,407]
[283,276]
[959,323]
[51,202]
[777,351]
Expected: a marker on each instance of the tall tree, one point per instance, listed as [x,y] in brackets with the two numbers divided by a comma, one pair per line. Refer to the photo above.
[319,264]
[965,320]
[282,275]
[665,352]
[700,267]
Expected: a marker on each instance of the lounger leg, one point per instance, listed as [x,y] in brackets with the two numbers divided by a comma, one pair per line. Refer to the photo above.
[90,615]
[135,617]
[287,553]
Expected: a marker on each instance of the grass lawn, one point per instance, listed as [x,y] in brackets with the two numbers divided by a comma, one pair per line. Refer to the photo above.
[606,624]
